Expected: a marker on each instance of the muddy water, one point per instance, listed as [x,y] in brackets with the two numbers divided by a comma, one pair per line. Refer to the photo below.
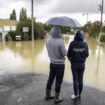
[31,57]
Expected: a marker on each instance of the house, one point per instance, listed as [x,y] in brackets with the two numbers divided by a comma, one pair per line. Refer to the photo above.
[5,26]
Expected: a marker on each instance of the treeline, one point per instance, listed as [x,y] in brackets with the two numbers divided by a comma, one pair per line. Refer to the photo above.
[25,21]
[64,29]
[94,29]
[40,29]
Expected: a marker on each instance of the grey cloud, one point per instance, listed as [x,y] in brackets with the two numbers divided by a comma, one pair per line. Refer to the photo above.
[35,1]
[49,7]
[62,6]
[41,1]
[68,6]
[3,2]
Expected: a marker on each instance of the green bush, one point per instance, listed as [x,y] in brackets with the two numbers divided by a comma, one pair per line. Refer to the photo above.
[103,29]
[21,24]
[11,35]
[93,29]
[8,37]
[102,37]
[39,30]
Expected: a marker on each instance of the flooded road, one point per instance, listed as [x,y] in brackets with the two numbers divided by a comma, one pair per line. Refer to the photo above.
[28,57]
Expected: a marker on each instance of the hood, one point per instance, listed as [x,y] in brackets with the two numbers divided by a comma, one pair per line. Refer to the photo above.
[55,32]
[79,36]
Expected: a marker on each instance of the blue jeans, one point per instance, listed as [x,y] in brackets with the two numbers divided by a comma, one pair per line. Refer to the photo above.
[56,71]
[77,72]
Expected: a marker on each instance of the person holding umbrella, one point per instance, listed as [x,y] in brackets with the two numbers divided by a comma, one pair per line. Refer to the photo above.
[56,52]
[77,53]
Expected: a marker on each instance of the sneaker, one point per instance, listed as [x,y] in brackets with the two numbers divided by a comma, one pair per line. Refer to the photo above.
[73,97]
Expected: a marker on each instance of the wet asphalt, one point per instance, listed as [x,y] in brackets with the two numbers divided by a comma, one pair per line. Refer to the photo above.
[29,89]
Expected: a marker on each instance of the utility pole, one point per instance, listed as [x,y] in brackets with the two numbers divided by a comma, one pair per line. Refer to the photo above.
[86,16]
[32,18]
[101,7]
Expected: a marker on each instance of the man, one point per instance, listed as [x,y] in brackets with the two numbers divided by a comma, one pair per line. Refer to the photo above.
[57,52]
[77,53]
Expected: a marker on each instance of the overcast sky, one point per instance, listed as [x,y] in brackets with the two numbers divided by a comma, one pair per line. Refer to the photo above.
[44,9]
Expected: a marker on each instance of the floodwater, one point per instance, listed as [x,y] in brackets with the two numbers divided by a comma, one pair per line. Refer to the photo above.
[31,57]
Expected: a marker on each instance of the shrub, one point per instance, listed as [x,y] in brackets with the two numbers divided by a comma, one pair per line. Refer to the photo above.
[103,29]
[10,35]
[93,29]
[38,29]
[102,37]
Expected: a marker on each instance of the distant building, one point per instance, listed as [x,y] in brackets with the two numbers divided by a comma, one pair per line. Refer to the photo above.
[5,26]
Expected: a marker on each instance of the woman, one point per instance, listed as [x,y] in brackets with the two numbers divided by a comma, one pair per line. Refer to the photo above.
[57,52]
[77,53]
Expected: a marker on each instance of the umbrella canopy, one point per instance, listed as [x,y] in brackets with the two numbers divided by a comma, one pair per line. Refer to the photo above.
[63,21]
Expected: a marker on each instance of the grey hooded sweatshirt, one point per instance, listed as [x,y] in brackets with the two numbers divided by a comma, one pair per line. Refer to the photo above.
[55,47]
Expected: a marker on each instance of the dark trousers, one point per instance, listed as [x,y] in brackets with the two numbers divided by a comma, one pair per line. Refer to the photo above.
[56,71]
[77,72]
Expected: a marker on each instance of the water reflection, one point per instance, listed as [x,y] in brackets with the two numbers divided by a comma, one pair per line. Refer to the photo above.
[18,57]
[25,48]
[21,57]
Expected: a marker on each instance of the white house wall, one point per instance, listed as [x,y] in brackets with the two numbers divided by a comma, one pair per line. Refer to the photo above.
[4,30]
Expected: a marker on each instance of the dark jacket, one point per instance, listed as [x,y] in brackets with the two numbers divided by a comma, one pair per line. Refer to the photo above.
[78,49]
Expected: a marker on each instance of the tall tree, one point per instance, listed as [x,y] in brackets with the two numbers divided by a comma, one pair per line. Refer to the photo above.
[13,15]
[93,29]
[23,14]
